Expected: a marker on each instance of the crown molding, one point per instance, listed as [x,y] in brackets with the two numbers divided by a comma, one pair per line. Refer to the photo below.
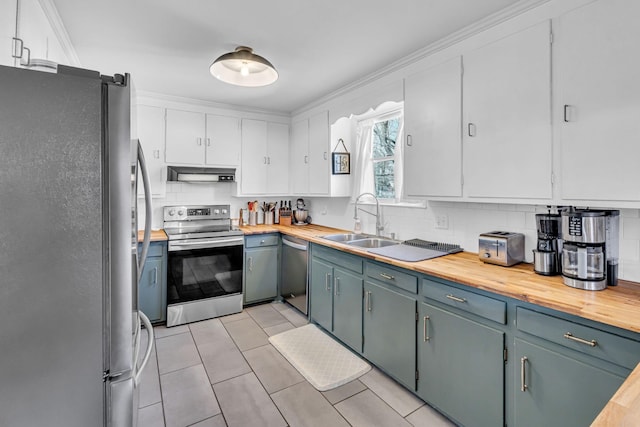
[163,97]
[448,41]
[52,15]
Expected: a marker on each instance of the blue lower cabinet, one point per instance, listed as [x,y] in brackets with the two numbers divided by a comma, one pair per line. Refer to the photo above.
[152,290]
[347,307]
[389,327]
[336,301]
[553,389]
[461,367]
[321,293]
[260,274]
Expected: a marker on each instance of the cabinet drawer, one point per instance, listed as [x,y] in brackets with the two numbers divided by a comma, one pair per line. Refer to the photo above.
[155,249]
[261,240]
[597,343]
[339,258]
[471,302]
[391,276]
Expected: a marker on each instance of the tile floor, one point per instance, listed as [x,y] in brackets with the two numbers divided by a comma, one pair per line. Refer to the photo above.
[223,372]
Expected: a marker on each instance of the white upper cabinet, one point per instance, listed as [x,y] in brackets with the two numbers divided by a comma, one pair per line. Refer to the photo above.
[300,157]
[37,34]
[277,158]
[222,141]
[598,107]
[265,158]
[185,137]
[507,149]
[202,139]
[150,121]
[432,119]
[310,155]
[7,31]
[319,154]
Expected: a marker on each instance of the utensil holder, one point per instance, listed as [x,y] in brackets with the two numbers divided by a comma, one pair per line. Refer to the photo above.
[269,217]
[253,218]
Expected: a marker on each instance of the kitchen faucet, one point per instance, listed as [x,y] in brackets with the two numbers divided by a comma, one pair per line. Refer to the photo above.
[379,226]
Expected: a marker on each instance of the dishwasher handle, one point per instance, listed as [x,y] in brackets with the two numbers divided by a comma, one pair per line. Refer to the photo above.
[294,245]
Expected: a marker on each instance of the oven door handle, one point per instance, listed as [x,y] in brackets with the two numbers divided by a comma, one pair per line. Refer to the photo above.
[204,244]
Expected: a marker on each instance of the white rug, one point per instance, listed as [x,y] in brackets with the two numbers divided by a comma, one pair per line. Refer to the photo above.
[323,362]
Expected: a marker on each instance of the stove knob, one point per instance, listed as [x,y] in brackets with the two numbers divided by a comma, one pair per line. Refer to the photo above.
[224,212]
[180,212]
[172,212]
[216,211]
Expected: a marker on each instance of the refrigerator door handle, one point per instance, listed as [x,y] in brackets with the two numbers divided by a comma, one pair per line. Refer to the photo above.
[147,211]
[138,369]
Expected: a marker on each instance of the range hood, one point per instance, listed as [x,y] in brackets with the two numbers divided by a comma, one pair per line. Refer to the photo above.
[193,174]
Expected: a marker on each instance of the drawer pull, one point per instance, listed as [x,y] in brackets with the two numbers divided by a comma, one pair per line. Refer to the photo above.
[455,298]
[570,336]
[523,379]
[387,276]
[425,329]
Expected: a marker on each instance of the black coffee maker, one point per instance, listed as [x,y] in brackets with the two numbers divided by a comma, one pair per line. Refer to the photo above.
[547,256]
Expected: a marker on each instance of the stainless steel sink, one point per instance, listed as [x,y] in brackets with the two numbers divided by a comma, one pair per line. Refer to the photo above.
[372,242]
[345,237]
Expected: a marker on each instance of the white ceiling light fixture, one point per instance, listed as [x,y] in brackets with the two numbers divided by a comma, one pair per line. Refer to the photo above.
[244,68]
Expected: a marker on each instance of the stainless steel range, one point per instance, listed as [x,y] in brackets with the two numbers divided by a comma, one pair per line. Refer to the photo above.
[204,272]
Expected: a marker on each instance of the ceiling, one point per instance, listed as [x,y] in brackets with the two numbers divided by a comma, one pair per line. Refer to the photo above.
[316,46]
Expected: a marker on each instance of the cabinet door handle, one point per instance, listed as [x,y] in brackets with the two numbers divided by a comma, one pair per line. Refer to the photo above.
[409,140]
[155,276]
[471,129]
[368,301]
[326,282]
[264,160]
[324,155]
[425,329]
[523,379]
[250,262]
[17,52]
[570,336]
[306,159]
[456,299]
[336,284]
[208,142]
[27,62]
[156,154]
[387,276]
[198,142]
[566,113]
[268,160]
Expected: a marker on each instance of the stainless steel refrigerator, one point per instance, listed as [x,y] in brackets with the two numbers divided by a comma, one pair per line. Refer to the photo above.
[69,325]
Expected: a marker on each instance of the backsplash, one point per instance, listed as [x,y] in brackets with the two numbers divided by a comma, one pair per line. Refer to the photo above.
[465,221]
[180,193]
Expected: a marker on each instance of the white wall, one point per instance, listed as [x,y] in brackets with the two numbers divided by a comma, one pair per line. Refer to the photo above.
[466,221]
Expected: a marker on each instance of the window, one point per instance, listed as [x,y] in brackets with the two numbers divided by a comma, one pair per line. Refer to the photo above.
[385,135]
[379,153]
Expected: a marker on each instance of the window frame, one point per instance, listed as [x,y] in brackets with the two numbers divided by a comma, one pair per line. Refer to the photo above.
[396,113]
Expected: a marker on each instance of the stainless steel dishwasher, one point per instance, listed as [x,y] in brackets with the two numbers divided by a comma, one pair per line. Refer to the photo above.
[293,284]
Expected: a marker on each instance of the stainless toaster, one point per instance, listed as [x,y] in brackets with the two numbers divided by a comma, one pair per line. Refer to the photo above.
[501,247]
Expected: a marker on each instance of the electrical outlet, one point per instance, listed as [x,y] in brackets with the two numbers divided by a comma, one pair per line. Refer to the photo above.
[442,222]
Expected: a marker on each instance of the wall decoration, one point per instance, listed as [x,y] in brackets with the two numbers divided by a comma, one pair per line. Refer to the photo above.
[340,160]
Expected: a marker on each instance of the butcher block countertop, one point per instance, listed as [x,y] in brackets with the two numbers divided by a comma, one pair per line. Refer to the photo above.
[616,306]
[624,407]
[156,236]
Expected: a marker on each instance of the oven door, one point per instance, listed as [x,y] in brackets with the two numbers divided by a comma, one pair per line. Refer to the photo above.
[204,268]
